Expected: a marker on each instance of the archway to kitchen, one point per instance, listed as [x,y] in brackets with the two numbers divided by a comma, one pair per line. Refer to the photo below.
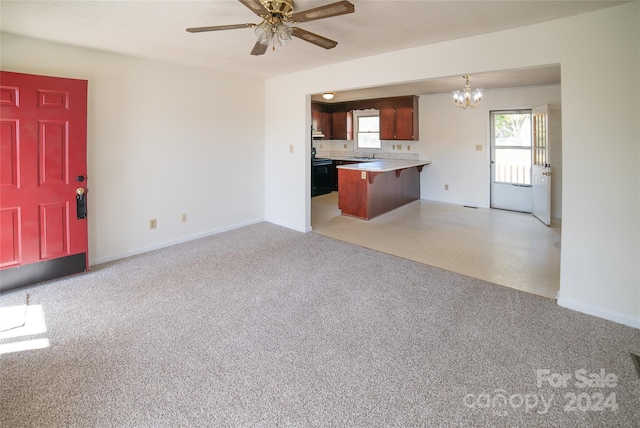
[455,229]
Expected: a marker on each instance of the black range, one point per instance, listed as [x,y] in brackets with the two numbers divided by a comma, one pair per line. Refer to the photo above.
[321,176]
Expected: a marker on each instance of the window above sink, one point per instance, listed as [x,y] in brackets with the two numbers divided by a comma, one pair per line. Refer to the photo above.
[367,124]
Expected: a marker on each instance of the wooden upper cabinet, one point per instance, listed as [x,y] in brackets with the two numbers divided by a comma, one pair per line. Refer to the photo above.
[316,117]
[405,122]
[332,120]
[399,118]
[387,124]
[326,125]
[342,125]
[321,119]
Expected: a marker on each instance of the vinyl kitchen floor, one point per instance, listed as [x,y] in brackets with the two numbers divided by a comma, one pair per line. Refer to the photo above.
[507,248]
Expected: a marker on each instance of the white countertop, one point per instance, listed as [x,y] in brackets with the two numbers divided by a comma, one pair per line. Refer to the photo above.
[384,165]
[353,159]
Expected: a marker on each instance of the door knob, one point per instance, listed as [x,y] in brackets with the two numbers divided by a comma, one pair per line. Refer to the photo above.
[81,203]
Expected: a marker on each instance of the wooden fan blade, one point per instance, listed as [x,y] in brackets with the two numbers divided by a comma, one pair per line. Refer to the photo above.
[219,27]
[327,11]
[310,37]
[259,49]
[256,6]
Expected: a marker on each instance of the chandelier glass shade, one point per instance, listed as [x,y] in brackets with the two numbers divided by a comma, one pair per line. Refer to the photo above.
[466,97]
[283,33]
[266,31]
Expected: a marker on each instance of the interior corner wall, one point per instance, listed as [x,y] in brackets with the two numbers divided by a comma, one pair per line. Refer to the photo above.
[599,57]
[163,140]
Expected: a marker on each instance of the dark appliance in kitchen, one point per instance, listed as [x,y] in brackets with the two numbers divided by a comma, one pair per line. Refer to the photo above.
[321,174]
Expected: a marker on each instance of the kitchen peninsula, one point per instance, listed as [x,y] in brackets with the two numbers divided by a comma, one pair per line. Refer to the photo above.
[369,189]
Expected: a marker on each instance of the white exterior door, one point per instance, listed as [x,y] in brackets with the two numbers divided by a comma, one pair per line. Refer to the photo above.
[541,169]
[511,160]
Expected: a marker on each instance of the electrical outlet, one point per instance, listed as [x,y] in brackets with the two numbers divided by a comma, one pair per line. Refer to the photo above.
[153,223]
[399,146]
[184,217]
[408,147]
[393,147]
[446,187]
[290,148]
[345,146]
[363,175]
[320,145]
[478,147]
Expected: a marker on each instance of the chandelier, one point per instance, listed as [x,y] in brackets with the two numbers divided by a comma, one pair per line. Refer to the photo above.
[467,98]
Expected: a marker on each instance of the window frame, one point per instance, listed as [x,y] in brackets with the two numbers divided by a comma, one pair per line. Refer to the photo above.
[357,114]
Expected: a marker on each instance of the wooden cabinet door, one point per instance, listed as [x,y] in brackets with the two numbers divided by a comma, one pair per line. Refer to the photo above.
[335,174]
[342,125]
[316,120]
[387,124]
[326,125]
[404,124]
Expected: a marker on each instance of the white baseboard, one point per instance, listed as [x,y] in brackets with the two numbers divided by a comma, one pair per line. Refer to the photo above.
[599,312]
[169,243]
[288,226]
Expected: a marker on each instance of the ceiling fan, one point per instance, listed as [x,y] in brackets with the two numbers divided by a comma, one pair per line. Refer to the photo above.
[275,15]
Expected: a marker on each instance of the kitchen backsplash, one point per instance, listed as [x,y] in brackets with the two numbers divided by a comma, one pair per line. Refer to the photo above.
[344,148]
[324,153]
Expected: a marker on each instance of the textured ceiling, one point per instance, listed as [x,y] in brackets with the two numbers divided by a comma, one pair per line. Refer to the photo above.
[156,29]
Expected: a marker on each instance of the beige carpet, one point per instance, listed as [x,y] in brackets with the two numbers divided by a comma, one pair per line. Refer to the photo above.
[263,326]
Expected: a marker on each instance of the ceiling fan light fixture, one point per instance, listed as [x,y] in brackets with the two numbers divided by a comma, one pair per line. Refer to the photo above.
[466,97]
[276,14]
[328,95]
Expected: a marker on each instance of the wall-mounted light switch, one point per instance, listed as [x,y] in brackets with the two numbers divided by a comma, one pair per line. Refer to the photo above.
[478,147]
[290,148]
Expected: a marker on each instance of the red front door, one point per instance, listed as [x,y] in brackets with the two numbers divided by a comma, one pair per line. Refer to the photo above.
[43,178]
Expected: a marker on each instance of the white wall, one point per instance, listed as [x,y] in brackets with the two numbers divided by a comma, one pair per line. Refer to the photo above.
[599,57]
[162,140]
[449,135]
